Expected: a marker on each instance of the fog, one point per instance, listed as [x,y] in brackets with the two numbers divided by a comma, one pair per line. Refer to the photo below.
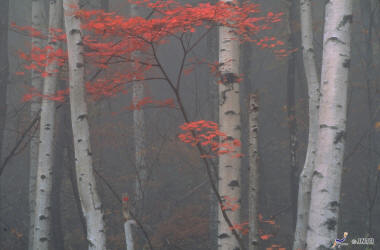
[179,206]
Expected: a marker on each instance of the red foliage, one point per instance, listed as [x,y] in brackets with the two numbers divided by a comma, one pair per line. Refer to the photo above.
[208,136]
[266,236]
[229,203]
[114,40]
[242,228]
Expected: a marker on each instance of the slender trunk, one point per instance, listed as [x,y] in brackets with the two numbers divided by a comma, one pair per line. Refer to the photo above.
[304,189]
[229,121]
[212,47]
[325,194]
[139,136]
[252,147]
[128,234]
[253,173]
[4,78]
[139,139]
[69,152]
[292,122]
[128,222]
[42,217]
[38,15]
[90,201]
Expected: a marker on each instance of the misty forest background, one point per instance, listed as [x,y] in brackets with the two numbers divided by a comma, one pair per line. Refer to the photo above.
[178,210]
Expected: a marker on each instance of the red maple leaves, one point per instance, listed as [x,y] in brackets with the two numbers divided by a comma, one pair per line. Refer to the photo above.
[124,47]
[209,137]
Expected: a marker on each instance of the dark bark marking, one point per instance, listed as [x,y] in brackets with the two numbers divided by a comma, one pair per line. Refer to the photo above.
[335,39]
[234,183]
[327,126]
[339,137]
[229,78]
[346,63]
[74,31]
[79,65]
[223,236]
[330,223]
[81,117]
[230,112]
[346,19]
[334,205]
[318,174]
[42,217]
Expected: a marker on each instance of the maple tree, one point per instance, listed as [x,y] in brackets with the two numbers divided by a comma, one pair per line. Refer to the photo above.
[111,44]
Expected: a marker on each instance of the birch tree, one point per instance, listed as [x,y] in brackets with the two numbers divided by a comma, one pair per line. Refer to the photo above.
[42,221]
[253,236]
[304,189]
[252,146]
[38,17]
[128,222]
[90,201]
[139,135]
[229,121]
[325,194]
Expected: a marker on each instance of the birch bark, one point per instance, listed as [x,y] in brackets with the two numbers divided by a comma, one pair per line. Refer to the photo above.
[38,16]
[304,189]
[42,217]
[253,236]
[325,194]
[229,121]
[139,136]
[90,201]
[128,222]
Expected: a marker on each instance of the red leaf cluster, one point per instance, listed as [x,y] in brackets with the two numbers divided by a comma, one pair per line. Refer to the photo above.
[128,44]
[229,203]
[242,228]
[208,136]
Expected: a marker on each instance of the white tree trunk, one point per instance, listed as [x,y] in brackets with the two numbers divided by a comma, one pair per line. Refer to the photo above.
[128,222]
[90,201]
[304,189]
[229,120]
[253,236]
[128,234]
[139,139]
[42,218]
[38,17]
[139,136]
[325,194]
